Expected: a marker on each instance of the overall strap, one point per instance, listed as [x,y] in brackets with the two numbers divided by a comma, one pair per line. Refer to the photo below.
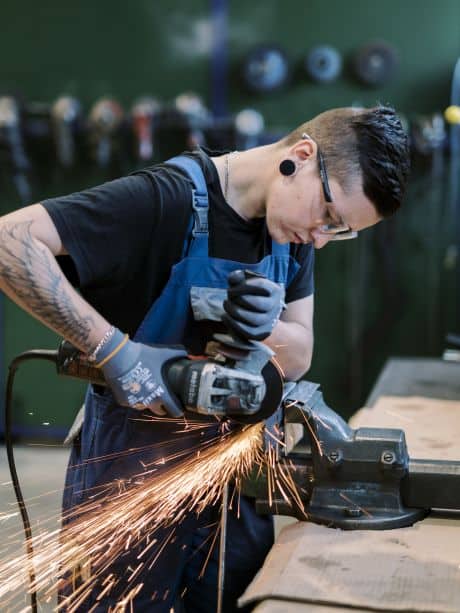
[280,250]
[200,201]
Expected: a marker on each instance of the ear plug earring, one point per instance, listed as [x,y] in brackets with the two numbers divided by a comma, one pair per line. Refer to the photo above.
[287,168]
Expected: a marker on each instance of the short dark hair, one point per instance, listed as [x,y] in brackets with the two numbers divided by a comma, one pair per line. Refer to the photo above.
[368,142]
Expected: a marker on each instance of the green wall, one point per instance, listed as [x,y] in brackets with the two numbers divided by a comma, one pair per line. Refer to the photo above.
[371,302]
[426,34]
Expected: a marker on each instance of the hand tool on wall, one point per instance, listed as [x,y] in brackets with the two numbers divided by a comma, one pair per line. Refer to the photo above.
[249,126]
[191,105]
[143,113]
[104,122]
[428,133]
[11,141]
[66,115]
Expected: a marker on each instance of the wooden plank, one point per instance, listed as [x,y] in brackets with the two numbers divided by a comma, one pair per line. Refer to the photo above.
[431,426]
[410,569]
[280,606]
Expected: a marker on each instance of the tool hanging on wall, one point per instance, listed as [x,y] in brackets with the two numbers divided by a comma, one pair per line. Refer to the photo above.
[249,126]
[191,105]
[66,116]
[172,133]
[12,144]
[266,68]
[153,132]
[323,64]
[428,133]
[375,63]
[104,124]
[143,115]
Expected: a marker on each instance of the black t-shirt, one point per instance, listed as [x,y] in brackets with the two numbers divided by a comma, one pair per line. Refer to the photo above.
[124,236]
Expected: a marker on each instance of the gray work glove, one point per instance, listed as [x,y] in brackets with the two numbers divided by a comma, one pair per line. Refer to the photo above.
[135,374]
[253,305]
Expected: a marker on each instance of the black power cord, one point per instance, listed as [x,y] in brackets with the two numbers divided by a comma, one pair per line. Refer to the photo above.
[35,354]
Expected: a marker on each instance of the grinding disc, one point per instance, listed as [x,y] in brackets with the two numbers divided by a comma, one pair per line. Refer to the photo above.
[375,63]
[323,64]
[265,69]
[272,399]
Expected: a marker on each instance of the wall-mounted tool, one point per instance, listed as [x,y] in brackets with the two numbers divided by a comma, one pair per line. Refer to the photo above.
[66,115]
[249,126]
[375,63]
[360,479]
[104,123]
[428,133]
[266,68]
[323,64]
[191,105]
[12,144]
[143,114]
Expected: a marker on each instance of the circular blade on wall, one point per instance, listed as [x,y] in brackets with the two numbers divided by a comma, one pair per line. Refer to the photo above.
[323,64]
[265,69]
[375,63]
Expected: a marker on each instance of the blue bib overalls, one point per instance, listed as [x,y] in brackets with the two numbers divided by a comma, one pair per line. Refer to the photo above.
[109,429]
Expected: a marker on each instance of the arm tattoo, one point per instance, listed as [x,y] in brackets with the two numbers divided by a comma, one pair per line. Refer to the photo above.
[33,275]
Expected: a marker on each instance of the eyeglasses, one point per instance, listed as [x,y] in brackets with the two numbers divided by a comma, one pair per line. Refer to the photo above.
[336,231]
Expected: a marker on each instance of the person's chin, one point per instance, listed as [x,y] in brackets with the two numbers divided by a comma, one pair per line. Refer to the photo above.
[300,240]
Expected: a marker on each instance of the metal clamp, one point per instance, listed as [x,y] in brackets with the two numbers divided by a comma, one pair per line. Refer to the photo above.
[200,213]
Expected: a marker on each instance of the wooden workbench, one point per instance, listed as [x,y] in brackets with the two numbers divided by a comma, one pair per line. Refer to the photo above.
[321,570]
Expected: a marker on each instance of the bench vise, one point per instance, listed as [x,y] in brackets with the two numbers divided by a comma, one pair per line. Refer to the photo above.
[347,478]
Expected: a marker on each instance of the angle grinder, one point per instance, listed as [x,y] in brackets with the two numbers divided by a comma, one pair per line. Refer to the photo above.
[236,378]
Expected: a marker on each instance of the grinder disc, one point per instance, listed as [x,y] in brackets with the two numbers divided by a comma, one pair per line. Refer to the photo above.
[375,63]
[323,64]
[265,69]
[272,399]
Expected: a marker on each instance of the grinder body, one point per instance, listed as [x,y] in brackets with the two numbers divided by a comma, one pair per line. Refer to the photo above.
[217,385]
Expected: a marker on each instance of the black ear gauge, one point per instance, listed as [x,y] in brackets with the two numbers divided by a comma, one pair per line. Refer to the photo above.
[287,168]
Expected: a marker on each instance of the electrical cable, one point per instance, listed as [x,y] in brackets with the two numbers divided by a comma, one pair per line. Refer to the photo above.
[50,356]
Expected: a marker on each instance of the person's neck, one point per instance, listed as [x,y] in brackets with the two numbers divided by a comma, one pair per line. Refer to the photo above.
[249,174]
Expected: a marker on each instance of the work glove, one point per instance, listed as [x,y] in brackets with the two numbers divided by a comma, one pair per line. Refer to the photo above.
[253,305]
[136,374]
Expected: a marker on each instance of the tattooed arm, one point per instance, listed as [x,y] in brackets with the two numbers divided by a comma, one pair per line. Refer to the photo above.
[31,277]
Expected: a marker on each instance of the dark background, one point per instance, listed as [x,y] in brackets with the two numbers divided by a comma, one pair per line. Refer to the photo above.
[391,292]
